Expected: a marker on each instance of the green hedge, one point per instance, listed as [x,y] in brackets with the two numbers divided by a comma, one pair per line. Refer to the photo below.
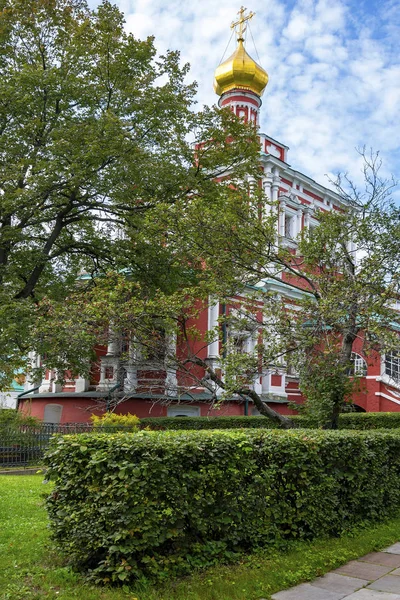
[155,504]
[362,421]
[180,423]
[368,421]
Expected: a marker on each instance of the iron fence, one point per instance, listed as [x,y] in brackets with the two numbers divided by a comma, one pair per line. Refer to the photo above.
[24,445]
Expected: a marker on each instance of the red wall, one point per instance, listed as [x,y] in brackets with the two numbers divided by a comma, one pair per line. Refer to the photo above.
[78,410]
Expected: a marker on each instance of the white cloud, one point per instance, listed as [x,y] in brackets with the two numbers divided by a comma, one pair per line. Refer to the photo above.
[334,70]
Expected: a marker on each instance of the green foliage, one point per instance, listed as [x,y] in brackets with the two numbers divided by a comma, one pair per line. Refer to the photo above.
[114,420]
[43,574]
[127,507]
[197,423]
[359,421]
[12,417]
[96,165]
[380,420]
[349,265]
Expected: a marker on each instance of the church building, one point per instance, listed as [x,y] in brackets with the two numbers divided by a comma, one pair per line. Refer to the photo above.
[240,83]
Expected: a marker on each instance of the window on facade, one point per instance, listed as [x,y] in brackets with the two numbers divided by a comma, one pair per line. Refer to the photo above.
[392,365]
[358,365]
[124,346]
[238,343]
[109,372]
[289,226]
[52,413]
[183,411]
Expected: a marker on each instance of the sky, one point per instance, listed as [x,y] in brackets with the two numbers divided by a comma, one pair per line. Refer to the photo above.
[333,65]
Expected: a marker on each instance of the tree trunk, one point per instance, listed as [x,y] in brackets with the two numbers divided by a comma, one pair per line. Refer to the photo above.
[344,360]
[268,412]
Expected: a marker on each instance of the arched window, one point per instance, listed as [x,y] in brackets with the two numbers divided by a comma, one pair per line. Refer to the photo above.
[289,226]
[52,413]
[359,366]
[183,411]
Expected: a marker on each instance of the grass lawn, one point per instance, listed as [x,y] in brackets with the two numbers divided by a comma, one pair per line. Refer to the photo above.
[30,569]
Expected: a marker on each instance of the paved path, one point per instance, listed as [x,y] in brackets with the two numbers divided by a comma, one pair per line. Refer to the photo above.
[375,576]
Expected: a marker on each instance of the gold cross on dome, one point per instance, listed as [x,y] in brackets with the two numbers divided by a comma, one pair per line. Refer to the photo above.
[242,19]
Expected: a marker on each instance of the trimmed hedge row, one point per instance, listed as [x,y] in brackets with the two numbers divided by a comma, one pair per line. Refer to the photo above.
[197,423]
[155,504]
[379,420]
[361,421]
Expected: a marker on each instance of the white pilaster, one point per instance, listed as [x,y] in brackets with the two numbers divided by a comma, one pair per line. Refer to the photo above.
[56,387]
[131,381]
[102,375]
[213,316]
[81,384]
[282,206]
[112,346]
[299,224]
[30,380]
[171,382]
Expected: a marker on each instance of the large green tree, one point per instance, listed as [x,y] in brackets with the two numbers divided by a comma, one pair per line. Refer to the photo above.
[97,132]
[349,269]
[345,272]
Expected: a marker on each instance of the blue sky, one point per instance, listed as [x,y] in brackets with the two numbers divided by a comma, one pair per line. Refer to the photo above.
[334,69]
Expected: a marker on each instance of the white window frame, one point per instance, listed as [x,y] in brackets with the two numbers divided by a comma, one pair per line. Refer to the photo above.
[290,220]
[392,366]
[360,367]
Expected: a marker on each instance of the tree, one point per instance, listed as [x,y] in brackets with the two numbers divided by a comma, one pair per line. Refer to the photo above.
[347,273]
[98,176]
[348,267]
[350,264]
[96,132]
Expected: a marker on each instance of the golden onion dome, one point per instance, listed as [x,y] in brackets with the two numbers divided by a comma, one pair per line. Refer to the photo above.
[241,72]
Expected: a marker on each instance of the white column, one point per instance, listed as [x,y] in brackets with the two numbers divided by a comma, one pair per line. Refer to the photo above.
[266,382]
[56,387]
[131,381]
[257,386]
[275,189]
[282,206]
[252,183]
[102,374]
[299,223]
[267,183]
[30,380]
[81,384]
[213,315]
[112,346]
[171,382]
[306,219]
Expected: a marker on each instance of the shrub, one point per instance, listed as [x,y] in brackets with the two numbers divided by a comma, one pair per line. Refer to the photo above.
[368,421]
[12,417]
[181,423]
[156,504]
[114,421]
[363,421]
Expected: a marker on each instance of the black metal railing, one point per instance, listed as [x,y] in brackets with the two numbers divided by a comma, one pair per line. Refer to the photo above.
[24,445]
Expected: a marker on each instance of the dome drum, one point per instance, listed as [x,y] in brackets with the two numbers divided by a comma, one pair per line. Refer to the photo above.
[238,95]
